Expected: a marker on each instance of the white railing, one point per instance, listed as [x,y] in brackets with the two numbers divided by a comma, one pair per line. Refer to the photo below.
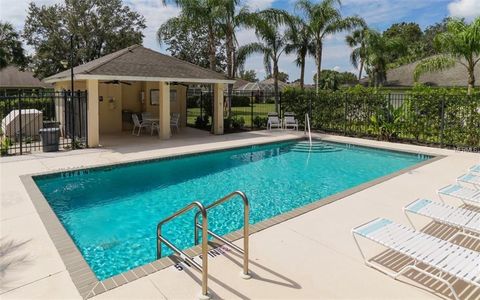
[307,129]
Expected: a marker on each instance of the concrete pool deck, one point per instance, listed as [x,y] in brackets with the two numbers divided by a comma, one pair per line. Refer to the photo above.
[309,256]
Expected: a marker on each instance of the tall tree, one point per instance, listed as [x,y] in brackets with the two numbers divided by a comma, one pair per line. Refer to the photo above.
[11,49]
[356,41]
[300,43]
[378,55]
[248,75]
[99,27]
[208,13]
[459,44]
[282,76]
[272,42]
[189,42]
[323,19]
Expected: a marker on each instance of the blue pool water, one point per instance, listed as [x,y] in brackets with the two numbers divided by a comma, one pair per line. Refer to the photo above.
[112,213]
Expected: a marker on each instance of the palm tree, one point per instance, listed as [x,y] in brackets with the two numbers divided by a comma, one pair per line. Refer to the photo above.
[377,54]
[204,13]
[272,42]
[299,42]
[324,19]
[459,44]
[356,41]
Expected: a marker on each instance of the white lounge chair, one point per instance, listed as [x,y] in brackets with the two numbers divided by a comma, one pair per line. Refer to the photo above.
[465,194]
[289,121]
[444,256]
[273,121]
[466,220]
[138,124]
[475,169]
[471,178]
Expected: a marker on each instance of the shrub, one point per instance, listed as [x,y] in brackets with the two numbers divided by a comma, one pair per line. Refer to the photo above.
[239,101]
[423,114]
[260,122]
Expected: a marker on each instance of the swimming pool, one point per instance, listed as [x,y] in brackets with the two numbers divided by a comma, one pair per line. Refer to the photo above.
[111,213]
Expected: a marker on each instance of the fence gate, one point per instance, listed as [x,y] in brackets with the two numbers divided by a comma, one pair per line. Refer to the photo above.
[36,121]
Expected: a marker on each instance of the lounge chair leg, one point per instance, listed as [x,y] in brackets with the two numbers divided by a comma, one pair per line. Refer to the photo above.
[409,220]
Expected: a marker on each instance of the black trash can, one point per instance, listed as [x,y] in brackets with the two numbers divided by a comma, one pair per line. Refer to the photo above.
[50,139]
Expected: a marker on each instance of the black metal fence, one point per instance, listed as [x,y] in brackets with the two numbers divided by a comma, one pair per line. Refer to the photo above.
[42,121]
[248,111]
[451,120]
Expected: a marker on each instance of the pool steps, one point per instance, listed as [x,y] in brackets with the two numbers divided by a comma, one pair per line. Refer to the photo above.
[315,147]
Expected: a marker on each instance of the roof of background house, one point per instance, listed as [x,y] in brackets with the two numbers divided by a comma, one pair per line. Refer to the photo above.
[140,63]
[403,77]
[239,82]
[12,77]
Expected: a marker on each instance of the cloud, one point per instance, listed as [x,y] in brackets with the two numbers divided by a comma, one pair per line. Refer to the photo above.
[15,11]
[336,68]
[468,9]
[259,4]
[155,14]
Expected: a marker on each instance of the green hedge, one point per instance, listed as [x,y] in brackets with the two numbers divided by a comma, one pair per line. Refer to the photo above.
[424,115]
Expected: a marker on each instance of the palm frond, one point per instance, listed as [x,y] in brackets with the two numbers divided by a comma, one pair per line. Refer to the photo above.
[433,64]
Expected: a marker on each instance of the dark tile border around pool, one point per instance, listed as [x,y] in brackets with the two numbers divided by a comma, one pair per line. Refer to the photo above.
[85,280]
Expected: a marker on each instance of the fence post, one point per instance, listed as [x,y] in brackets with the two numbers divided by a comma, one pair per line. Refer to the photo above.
[442,121]
[280,104]
[86,117]
[20,120]
[72,115]
[251,110]
[345,116]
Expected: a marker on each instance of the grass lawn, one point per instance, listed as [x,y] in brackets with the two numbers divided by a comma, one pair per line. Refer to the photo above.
[259,109]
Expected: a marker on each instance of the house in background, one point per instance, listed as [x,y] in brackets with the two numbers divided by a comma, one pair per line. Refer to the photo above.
[401,78]
[12,79]
[136,80]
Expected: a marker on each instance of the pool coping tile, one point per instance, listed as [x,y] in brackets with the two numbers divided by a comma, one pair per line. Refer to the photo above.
[83,276]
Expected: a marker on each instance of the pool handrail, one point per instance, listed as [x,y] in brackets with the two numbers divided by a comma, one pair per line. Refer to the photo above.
[246,221]
[307,127]
[202,268]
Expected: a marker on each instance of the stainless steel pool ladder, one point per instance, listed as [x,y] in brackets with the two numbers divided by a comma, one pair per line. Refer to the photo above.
[202,210]
[246,216]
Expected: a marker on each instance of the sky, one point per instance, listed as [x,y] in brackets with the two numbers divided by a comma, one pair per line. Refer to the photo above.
[379,14]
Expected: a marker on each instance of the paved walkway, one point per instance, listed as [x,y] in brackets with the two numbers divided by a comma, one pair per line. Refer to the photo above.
[311,256]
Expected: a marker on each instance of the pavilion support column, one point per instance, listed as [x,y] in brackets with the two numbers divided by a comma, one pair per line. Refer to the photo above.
[164,110]
[92,113]
[218,108]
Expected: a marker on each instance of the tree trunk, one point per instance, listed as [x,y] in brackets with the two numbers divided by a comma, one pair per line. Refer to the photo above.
[211,48]
[302,72]
[360,71]
[318,60]
[275,84]
[471,79]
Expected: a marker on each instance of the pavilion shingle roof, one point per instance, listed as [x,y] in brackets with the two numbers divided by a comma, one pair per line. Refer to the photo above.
[12,77]
[138,61]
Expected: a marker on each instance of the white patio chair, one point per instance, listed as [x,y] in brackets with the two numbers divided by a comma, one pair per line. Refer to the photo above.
[138,124]
[273,121]
[174,122]
[468,221]
[423,249]
[145,116]
[290,121]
